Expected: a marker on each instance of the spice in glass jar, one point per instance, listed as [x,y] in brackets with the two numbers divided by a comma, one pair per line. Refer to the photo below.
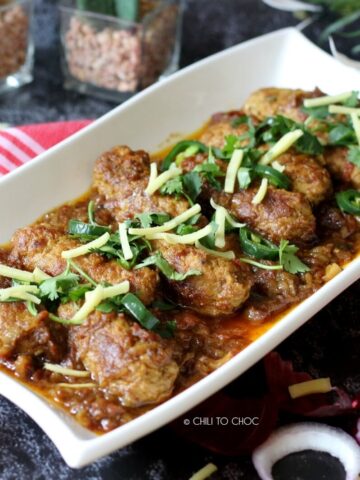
[14,24]
[119,45]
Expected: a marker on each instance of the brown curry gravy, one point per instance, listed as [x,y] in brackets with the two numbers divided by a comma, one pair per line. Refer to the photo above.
[100,413]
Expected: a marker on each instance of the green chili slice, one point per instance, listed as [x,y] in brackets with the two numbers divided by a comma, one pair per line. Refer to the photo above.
[275,177]
[179,148]
[349,201]
[257,246]
[137,309]
[76,227]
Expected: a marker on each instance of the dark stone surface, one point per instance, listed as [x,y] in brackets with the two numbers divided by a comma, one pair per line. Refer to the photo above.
[327,345]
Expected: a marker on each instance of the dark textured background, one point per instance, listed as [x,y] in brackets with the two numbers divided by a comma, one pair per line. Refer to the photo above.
[327,345]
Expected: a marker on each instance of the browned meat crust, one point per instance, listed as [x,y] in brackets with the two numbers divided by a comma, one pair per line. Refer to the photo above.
[216,132]
[199,293]
[41,246]
[268,102]
[125,360]
[276,283]
[307,176]
[134,368]
[22,333]
[273,291]
[281,215]
[339,166]
[59,218]
[121,176]
[331,219]
[220,290]
[288,213]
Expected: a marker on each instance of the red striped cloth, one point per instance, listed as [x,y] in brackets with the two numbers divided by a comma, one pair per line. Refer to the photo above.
[18,145]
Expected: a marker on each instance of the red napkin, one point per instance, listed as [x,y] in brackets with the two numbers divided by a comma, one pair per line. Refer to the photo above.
[19,145]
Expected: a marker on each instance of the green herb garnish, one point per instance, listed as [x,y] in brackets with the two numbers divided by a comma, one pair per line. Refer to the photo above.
[152,219]
[273,128]
[166,269]
[275,177]
[354,155]
[349,201]
[289,260]
[342,134]
[52,288]
[179,148]
[244,177]
[262,249]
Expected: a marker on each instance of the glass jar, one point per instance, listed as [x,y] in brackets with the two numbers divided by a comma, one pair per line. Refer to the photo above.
[16,45]
[113,58]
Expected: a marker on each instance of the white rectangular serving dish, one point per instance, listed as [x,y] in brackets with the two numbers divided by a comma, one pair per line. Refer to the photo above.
[180,104]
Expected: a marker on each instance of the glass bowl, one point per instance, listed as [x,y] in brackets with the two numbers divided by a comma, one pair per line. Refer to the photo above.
[16,45]
[113,58]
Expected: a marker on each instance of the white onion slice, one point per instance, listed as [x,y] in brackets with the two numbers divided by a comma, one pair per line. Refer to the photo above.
[307,436]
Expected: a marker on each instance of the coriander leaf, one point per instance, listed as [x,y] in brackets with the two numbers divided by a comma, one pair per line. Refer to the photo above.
[210,171]
[239,121]
[207,167]
[145,219]
[354,155]
[188,185]
[244,177]
[293,264]
[77,292]
[251,157]
[137,249]
[353,100]
[52,288]
[273,128]
[189,226]
[250,135]
[113,304]
[342,134]
[231,143]
[320,113]
[285,247]
[108,250]
[184,229]
[289,260]
[106,307]
[192,185]
[309,144]
[172,187]
[149,219]
[165,268]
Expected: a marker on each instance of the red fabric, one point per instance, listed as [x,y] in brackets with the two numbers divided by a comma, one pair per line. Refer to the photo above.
[19,145]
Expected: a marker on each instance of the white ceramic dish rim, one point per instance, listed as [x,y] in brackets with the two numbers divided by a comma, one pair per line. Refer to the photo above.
[79,446]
